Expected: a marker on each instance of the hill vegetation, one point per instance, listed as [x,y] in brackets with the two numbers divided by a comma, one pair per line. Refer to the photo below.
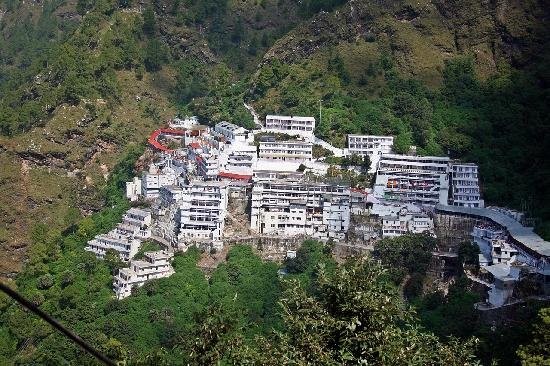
[83,83]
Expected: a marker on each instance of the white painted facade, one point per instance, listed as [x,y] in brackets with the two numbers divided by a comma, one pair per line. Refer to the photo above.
[154,265]
[232,132]
[186,122]
[133,189]
[405,222]
[152,181]
[292,125]
[371,146]
[465,185]
[135,223]
[126,246]
[202,211]
[286,150]
[415,179]
[208,165]
[296,208]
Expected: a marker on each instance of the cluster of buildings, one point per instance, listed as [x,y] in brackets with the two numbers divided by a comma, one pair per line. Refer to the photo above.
[509,250]
[190,190]
[126,238]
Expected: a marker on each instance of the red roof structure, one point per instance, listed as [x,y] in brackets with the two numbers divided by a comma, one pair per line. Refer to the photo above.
[234,176]
[163,131]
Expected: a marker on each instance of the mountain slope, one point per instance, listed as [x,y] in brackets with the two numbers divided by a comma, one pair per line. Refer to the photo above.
[71,72]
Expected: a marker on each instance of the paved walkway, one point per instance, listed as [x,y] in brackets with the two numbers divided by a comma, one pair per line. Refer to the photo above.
[336,151]
[254,115]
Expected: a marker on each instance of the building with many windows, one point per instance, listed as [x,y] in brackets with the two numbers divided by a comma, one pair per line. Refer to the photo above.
[292,125]
[135,223]
[153,265]
[126,246]
[286,150]
[298,208]
[371,146]
[406,222]
[202,211]
[415,179]
[464,185]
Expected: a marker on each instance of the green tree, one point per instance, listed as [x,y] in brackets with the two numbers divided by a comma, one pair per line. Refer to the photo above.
[155,55]
[537,351]
[113,261]
[81,6]
[353,317]
[149,21]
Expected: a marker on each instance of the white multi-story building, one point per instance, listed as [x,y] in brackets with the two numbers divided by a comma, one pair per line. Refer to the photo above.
[465,185]
[152,181]
[171,194]
[298,208]
[231,132]
[135,223]
[154,265]
[126,246]
[286,150]
[371,146]
[417,179]
[269,175]
[406,222]
[484,235]
[202,211]
[292,125]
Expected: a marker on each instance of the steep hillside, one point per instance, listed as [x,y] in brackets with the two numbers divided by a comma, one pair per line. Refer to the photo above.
[81,81]
[420,35]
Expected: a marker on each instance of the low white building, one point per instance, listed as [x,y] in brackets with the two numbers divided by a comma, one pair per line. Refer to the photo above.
[291,125]
[232,132]
[185,123]
[286,150]
[415,179]
[154,265]
[405,222]
[505,278]
[126,246]
[297,208]
[371,146]
[135,223]
[465,185]
[202,211]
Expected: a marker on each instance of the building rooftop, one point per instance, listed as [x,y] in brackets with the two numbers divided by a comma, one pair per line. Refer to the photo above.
[138,212]
[442,159]
[231,127]
[522,234]
[158,255]
[296,118]
[371,136]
